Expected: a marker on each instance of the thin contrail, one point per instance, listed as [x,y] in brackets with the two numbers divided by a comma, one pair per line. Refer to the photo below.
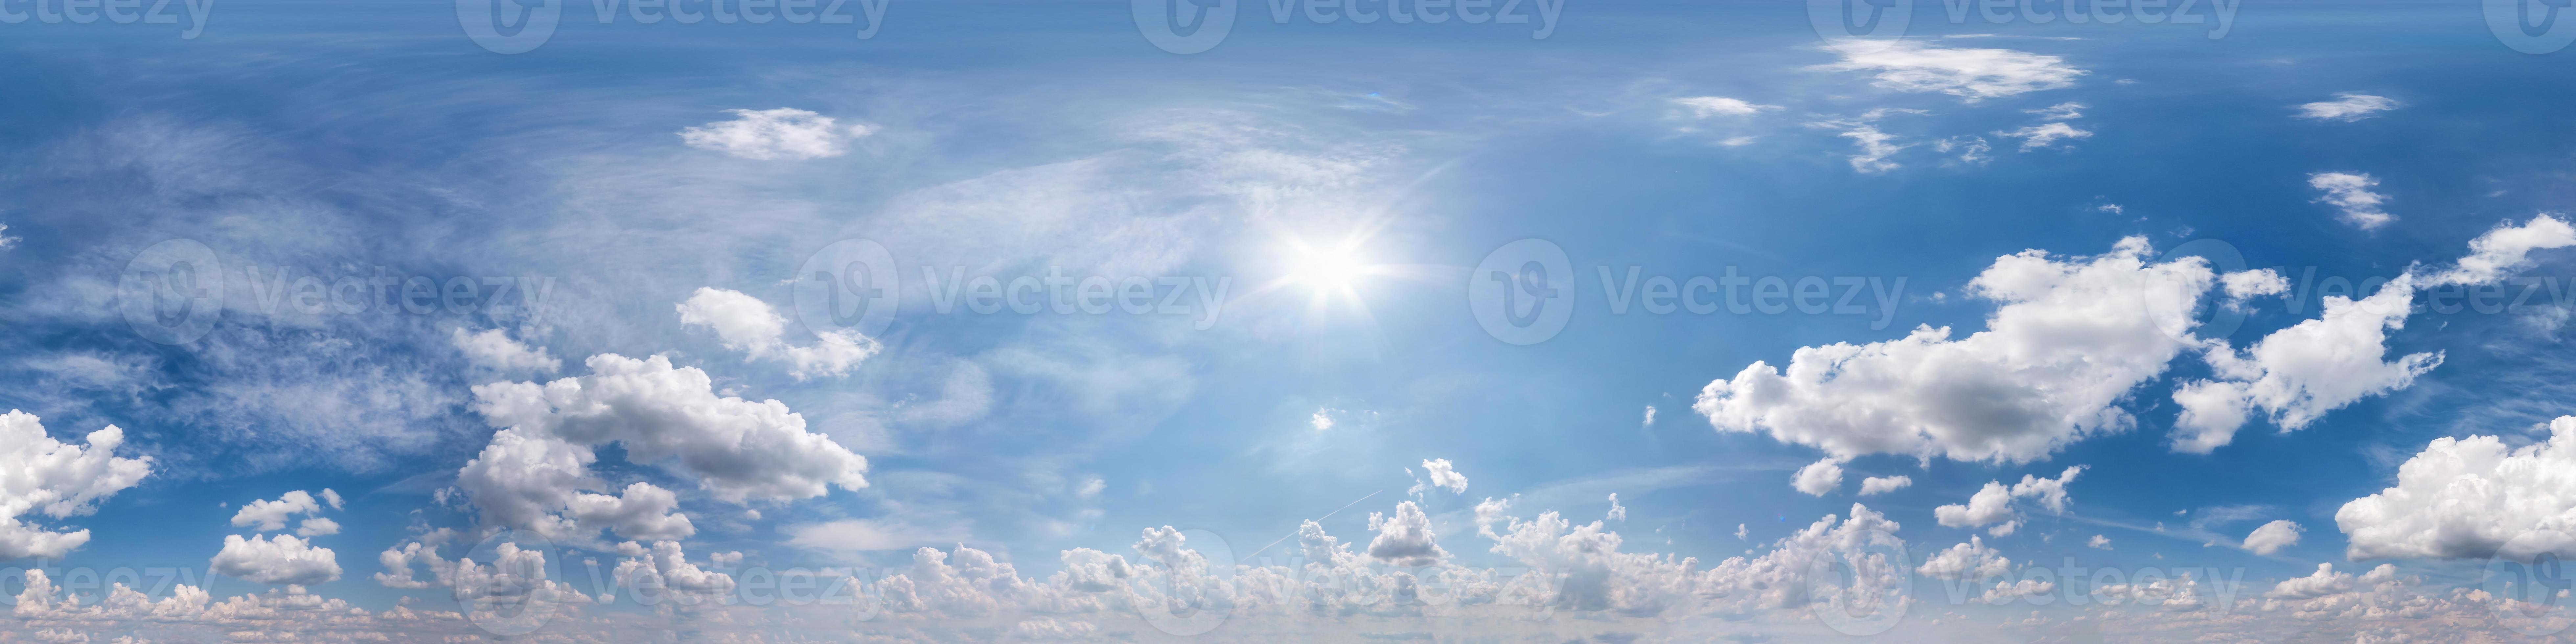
[1327,515]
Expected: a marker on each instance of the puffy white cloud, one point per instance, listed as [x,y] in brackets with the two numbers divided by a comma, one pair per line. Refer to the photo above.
[2504,250]
[1884,484]
[2468,498]
[1875,148]
[2350,192]
[1650,416]
[1818,478]
[317,527]
[1971,560]
[2072,338]
[277,559]
[1992,504]
[2300,373]
[769,135]
[2045,135]
[2347,107]
[1971,74]
[2325,581]
[1708,106]
[1405,539]
[532,474]
[270,516]
[493,349]
[2242,286]
[2098,542]
[1443,476]
[2272,537]
[1617,512]
[748,325]
[39,475]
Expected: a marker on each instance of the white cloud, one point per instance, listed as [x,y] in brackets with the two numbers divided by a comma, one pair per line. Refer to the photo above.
[2060,112]
[7,242]
[769,135]
[2272,537]
[60,480]
[317,527]
[1992,504]
[278,559]
[748,325]
[2045,135]
[2469,497]
[2320,365]
[1708,106]
[493,349]
[534,468]
[1971,74]
[2347,107]
[1884,484]
[1443,476]
[2506,249]
[1875,148]
[2350,192]
[1650,416]
[2325,581]
[271,516]
[2242,286]
[1972,149]
[1617,512]
[1971,560]
[2073,336]
[1819,477]
[2098,542]
[1405,540]
[1322,420]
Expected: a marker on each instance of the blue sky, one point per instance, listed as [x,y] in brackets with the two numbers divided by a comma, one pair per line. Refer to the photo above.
[2137,276]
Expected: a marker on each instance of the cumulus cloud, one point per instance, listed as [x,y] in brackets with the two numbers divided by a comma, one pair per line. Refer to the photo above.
[532,474]
[493,349]
[2098,542]
[1405,539]
[2073,336]
[1818,478]
[2045,135]
[2347,107]
[779,134]
[748,325]
[270,516]
[2298,374]
[39,475]
[2325,581]
[1617,512]
[1971,74]
[2244,286]
[1971,560]
[2350,193]
[1708,106]
[1443,476]
[2272,537]
[278,559]
[1993,504]
[1884,484]
[2468,498]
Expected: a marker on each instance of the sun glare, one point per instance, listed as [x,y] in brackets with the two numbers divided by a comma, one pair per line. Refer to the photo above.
[1329,269]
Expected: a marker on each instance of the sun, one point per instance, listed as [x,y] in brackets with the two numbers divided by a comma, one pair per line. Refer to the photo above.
[1326,269]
